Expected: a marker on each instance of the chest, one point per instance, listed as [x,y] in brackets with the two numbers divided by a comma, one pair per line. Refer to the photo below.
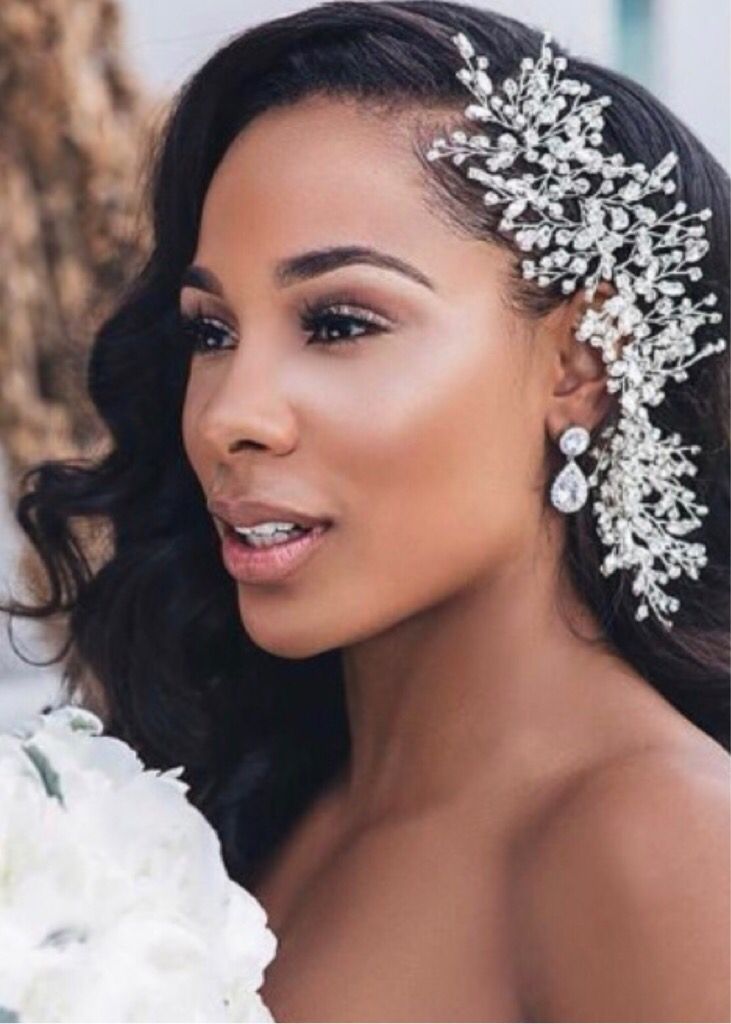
[399,924]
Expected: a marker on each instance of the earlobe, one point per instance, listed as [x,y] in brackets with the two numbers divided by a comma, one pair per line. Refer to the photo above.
[585,402]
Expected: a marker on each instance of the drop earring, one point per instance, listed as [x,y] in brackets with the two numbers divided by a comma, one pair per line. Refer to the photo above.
[570,488]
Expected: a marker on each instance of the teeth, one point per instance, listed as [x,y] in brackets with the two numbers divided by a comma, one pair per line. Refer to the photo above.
[269,534]
[266,529]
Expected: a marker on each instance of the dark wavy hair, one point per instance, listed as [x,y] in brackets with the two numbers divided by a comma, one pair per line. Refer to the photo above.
[154,628]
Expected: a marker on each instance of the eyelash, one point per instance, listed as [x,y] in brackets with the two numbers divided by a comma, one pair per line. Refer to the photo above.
[314,315]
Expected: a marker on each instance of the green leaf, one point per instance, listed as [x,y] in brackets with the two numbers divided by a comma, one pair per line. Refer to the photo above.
[49,776]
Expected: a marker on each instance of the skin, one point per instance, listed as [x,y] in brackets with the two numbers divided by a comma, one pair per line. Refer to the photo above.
[508,769]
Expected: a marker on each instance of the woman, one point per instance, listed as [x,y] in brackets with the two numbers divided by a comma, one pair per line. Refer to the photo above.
[465,781]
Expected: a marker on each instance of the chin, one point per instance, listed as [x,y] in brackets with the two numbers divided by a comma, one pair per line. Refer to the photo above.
[279,633]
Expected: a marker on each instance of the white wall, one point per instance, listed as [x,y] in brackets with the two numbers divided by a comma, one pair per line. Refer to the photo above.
[694,53]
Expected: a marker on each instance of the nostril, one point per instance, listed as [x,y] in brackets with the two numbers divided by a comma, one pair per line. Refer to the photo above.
[256,445]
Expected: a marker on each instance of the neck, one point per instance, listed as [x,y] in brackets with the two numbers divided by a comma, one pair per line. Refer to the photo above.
[496,673]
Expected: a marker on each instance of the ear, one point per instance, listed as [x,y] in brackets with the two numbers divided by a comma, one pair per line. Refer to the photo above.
[578,373]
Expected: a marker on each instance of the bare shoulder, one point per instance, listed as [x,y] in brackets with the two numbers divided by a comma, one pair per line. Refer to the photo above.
[623,893]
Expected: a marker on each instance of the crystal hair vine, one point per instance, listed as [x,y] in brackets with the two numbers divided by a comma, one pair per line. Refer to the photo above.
[643,510]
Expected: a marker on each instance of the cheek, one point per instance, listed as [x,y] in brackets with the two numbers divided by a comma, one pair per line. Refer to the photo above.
[440,461]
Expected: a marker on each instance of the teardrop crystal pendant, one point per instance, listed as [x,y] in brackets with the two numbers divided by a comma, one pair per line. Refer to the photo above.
[569,490]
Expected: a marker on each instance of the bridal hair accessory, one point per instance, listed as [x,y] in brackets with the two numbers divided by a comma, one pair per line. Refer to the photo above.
[643,510]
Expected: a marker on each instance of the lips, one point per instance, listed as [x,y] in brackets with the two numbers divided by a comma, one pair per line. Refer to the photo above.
[269,564]
[246,512]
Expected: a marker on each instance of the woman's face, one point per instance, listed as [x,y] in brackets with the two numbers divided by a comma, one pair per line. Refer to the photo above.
[421,437]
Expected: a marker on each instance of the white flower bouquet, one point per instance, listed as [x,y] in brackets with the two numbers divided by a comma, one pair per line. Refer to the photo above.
[115,904]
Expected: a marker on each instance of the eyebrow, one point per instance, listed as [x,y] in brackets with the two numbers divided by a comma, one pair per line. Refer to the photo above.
[311,264]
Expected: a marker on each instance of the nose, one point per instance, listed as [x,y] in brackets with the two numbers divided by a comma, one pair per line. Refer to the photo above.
[247,406]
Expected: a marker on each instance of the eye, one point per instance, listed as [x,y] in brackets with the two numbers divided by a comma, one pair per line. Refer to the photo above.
[337,319]
[340,318]
[204,333]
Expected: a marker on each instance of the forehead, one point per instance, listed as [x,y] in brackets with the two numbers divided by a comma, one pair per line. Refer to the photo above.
[322,171]
[318,161]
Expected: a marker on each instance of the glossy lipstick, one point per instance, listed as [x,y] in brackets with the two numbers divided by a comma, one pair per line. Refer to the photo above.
[269,564]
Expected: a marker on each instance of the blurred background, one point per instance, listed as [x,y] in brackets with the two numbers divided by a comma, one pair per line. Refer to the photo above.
[83,86]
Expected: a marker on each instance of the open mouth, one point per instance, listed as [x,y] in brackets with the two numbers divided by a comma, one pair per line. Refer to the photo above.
[265,541]
[251,559]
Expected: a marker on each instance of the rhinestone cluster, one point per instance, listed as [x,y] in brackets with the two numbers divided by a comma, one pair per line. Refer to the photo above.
[643,510]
